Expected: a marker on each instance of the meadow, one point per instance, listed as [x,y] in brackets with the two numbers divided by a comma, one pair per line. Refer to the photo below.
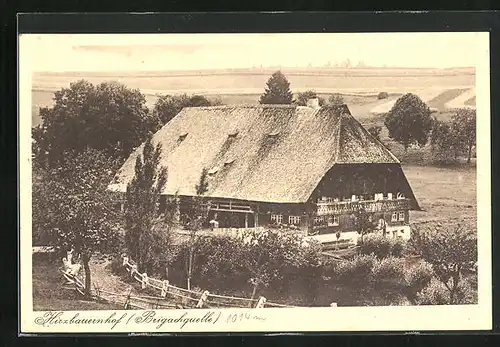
[359,86]
[442,192]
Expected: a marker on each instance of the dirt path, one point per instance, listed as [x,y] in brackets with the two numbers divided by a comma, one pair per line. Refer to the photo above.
[103,278]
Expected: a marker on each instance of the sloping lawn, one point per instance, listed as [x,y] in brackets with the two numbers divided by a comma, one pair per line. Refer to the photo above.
[50,295]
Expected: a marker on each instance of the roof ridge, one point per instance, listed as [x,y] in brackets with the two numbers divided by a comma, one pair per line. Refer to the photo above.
[214,107]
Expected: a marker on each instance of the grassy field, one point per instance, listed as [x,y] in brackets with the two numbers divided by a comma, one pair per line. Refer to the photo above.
[49,295]
[330,79]
[245,86]
[443,193]
[446,196]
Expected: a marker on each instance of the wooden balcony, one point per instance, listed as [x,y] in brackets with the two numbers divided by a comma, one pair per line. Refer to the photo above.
[345,207]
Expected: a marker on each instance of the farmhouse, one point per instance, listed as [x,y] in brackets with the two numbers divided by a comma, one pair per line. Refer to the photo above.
[307,167]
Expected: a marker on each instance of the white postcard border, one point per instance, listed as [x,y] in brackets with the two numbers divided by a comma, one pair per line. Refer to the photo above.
[413,318]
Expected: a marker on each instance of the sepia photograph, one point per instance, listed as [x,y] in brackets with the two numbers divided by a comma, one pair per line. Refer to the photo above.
[335,177]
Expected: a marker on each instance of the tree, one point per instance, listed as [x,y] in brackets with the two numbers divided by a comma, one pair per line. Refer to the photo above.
[450,251]
[443,142]
[375,131]
[277,90]
[409,121]
[336,99]
[72,203]
[267,254]
[199,215]
[168,106]
[142,212]
[303,97]
[363,222]
[108,117]
[463,125]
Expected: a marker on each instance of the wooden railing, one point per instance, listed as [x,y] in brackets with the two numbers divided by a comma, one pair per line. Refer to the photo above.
[343,207]
[194,299]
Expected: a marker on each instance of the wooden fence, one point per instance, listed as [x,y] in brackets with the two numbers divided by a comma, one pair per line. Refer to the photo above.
[184,298]
[171,297]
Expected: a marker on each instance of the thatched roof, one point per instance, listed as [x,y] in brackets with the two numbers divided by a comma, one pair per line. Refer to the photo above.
[269,153]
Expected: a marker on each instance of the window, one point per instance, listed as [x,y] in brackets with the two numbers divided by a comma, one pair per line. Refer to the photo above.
[333,221]
[295,220]
[394,217]
[401,216]
[277,218]
[319,220]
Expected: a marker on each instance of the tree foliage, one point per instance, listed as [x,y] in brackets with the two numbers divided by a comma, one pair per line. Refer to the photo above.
[303,97]
[375,130]
[168,106]
[267,254]
[108,117]
[363,222]
[71,203]
[255,259]
[463,125]
[450,251]
[382,95]
[146,227]
[382,246]
[195,220]
[409,121]
[335,99]
[277,90]
[418,278]
[443,143]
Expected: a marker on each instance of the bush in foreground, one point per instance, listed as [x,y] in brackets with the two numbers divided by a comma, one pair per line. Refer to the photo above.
[382,246]
[389,272]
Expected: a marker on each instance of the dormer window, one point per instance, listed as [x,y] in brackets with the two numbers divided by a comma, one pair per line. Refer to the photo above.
[228,162]
[182,137]
[213,171]
[233,134]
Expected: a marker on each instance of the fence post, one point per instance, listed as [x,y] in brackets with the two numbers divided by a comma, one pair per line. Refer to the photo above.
[261,302]
[132,270]
[202,300]
[127,300]
[125,260]
[164,289]
[144,280]
[333,304]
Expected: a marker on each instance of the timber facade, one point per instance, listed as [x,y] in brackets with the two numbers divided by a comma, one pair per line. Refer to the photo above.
[308,168]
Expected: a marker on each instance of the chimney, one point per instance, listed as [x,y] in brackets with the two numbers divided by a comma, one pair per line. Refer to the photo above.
[314,103]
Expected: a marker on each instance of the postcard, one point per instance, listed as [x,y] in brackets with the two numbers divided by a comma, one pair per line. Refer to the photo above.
[291,182]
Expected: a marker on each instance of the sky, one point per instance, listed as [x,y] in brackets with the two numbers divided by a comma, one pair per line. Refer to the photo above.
[157,52]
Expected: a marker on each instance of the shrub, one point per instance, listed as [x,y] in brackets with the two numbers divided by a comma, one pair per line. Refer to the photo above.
[417,278]
[466,293]
[389,271]
[398,247]
[382,95]
[434,294]
[355,269]
[376,244]
[259,259]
